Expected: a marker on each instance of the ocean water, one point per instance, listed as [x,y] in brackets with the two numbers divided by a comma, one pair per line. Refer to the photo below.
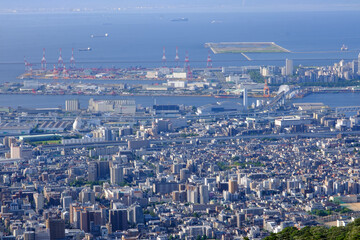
[314,38]
[333,100]
[138,39]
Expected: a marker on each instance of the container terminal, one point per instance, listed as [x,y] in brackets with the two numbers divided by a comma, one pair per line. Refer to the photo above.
[61,71]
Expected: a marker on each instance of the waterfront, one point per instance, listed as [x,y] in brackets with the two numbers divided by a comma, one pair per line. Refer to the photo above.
[109,137]
[126,45]
[332,99]
[45,101]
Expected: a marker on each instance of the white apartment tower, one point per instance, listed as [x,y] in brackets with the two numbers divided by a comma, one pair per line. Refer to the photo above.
[116,175]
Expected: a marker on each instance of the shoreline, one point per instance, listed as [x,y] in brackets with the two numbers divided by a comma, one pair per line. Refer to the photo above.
[113,95]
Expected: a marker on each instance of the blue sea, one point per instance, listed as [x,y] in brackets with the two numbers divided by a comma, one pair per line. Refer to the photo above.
[314,38]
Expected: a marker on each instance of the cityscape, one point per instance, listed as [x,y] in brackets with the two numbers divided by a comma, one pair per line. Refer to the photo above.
[183,149]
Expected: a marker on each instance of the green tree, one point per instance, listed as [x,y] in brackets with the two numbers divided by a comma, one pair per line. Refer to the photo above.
[354,233]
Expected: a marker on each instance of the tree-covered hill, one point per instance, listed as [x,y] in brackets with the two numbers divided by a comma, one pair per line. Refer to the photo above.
[350,232]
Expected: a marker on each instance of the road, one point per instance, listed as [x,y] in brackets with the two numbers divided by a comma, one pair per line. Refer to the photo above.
[220,138]
[203,139]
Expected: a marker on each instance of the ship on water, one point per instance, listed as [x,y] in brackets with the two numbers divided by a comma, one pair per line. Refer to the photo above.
[85,49]
[344,48]
[98,36]
[180,20]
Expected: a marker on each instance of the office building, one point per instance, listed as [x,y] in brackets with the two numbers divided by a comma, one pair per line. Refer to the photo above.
[56,228]
[72,105]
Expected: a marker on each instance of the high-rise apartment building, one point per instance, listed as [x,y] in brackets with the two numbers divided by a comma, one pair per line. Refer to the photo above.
[103,169]
[118,219]
[233,186]
[116,174]
[358,64]
[289,67]
[39,201]
[87,195]
[204,194]
[92,171]
[135,214]
[56,228]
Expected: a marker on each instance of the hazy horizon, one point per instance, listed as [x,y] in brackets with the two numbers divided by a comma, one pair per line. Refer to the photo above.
[173,6]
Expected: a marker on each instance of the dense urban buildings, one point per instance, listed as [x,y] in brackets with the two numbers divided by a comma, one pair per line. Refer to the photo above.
[225,170]
[230,146]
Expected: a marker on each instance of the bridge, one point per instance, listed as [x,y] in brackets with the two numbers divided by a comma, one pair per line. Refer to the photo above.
[284,93]
[350,109]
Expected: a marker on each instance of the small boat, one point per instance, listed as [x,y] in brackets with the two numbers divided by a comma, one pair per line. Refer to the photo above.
[180,20]
[98,36]
[344,48]
[85,49]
